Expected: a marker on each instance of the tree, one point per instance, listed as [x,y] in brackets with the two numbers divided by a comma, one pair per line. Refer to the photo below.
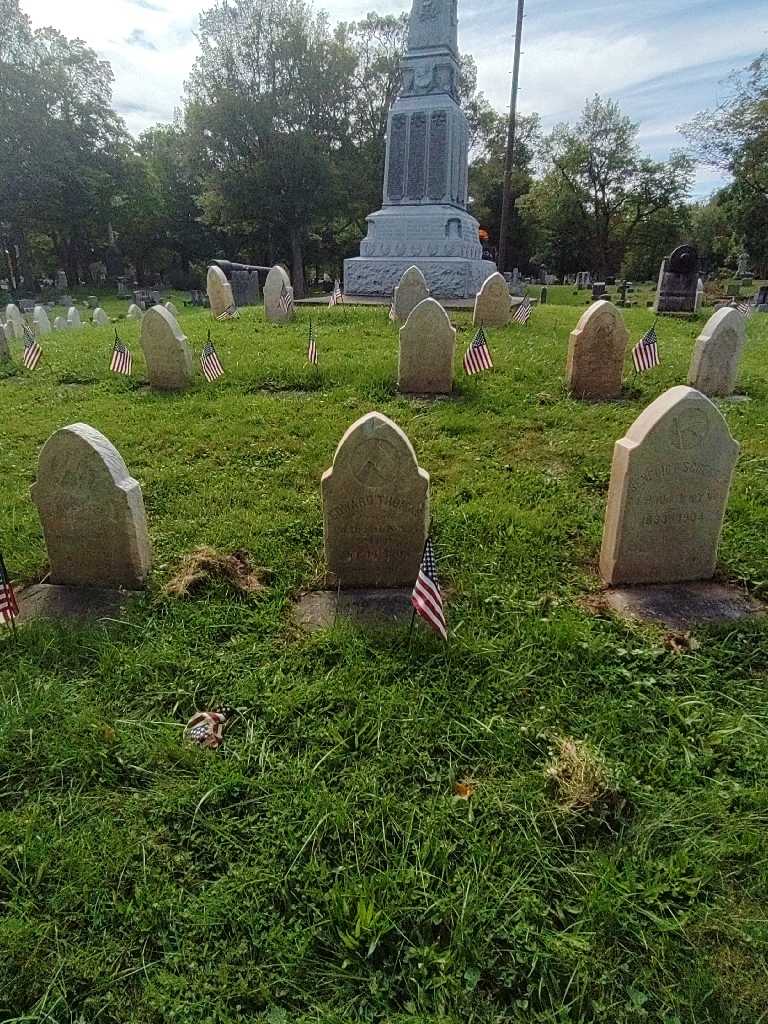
[615,187]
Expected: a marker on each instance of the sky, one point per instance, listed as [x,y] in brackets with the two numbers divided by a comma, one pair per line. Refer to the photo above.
[662,60]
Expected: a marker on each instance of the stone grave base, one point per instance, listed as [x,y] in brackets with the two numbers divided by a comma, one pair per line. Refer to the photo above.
[681,605]
[320,609]
[84,604]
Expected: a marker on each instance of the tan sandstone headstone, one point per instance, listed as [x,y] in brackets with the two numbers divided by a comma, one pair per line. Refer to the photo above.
[411,290]
[426,351]
[717,353]
[596,353]
[168,356]
[375,506]
[92,512]
[670,479]
[277,279]
[492,303]
[219,291]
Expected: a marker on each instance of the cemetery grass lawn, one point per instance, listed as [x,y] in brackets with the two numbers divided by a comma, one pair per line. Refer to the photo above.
[321,869]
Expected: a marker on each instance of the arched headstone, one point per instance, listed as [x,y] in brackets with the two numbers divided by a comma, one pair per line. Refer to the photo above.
[5,352]
[277,280]
[73,317]
[717,353]
[219,292]
[40,317]
[59,324]
[92,512]
[375,506]
[411,290]
[100,318]
[596,353]
[670,479]
[134,313]
[492,303]
[168,355]
[12,312]
[172,309]
[426,351]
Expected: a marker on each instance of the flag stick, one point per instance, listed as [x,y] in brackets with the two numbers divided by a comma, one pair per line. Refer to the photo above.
[8,583]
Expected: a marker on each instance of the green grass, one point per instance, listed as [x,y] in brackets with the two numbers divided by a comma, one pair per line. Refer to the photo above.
[319,870]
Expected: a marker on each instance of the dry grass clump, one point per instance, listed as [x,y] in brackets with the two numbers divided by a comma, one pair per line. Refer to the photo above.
[204,564]
[580,778]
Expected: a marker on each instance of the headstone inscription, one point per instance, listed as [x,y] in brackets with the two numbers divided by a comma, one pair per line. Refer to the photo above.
[596,353]
[219,291]
[678,278]
[670,479]
[492,305]
[427,342]
[168,356]
[717,353]
[375,506]
[411,290]
[92,512]
[277,281]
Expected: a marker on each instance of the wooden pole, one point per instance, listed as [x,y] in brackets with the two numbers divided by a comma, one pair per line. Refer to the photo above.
[506,201]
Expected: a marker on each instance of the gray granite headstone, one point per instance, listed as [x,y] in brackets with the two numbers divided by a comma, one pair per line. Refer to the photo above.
[678,281]
[168,355]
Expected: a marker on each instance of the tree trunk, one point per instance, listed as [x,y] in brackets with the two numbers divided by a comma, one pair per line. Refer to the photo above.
[297,260]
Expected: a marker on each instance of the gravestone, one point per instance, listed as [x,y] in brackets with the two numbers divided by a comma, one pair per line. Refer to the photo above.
[761,299]
[411,290]
[253,292]
[239,282]
[699,296]
[5,352]
[219,291]
[544,296]
[40,317]
[73,317]
[61,281]
[277,279]
[598,290]
[670,479]
[12,312]
[15,329]
[427,341]
[168,356]
[596,353]
[134,313]
[100,318]
[172,309]
[717,353]
[375,506]
[92,512]
[492,305]
[92,301]
[59,324]
[678,278]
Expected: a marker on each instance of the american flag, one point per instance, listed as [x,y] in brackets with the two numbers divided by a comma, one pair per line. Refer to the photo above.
[122,360]
[206,728]
[523,312]
[645,354]
[9,609]
[337,296]
[285,301]
[746,309]
[209,362]
[426,597]
[230,313]
[478,357]
[32,351]
[312,348]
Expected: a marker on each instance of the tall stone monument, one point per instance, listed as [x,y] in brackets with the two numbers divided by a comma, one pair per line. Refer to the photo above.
[424,219]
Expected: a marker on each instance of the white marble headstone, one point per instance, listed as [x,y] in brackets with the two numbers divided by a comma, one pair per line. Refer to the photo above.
[168,355]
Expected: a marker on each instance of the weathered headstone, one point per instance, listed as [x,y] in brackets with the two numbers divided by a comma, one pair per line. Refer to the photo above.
[543,297]
[492,305]
[699,296]
[761,299]
[277,280]
[375,506]
[219,291]
[5,352]
[239,283]
[426,351]
[92,512]
[717,353]
[134,313]
[100,318]
[596,353]
[59,324]
[598,290]
[40,317]
[12,312]
[73,317]
[253,292]
[670,479]
[678,278]
[172,309]
[411,290]
[168,355]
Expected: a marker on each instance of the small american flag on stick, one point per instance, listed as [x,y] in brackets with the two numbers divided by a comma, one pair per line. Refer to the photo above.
[230,313]
[285,301]
[523,312]
[746,309]
[337,296]
[206,728]
[122,360]
[478,356]
[645,354]
[312,347]
[9,609]
[32,350]
[210,363]
[426,598]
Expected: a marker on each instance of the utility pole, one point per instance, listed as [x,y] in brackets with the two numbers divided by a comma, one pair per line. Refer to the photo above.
[506,200]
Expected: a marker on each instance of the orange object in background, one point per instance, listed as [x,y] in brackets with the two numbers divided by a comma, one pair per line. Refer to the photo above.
[484,236]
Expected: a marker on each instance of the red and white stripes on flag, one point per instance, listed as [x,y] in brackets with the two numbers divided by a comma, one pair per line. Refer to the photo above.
[478,357]
[426,597]
[645,354]
[230,313]
[210,363]
[285,301]
[337,296]
[9,609]
[206,728]
[122,360]
[523,312]
[746,309]
[32,350]
[312,347]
